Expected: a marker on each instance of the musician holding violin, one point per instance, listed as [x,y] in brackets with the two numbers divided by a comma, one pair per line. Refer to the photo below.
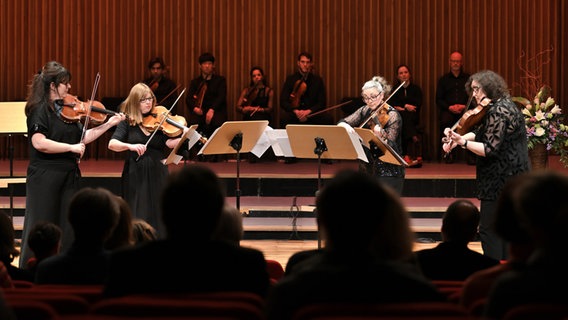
[163,87]
[386,123]
[206,98]
[255,101]
[57,139]
[303,93]
[146,138]
[495,132]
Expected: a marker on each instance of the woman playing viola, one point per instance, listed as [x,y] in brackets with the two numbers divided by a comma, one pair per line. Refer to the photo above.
[388,129]
[53,174]
[144,173]
[255,102]
[499,140]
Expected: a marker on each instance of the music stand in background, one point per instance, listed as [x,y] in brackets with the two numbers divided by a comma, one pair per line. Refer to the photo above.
[12,121]
[324,142]
[235,137]
[389,155]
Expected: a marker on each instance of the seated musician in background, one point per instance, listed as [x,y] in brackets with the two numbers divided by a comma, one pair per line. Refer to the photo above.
[387,125]
[163,87]
[303,93]
[206,98]
[256,100]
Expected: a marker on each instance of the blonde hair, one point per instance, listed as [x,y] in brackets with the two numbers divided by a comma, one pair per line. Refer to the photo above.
[131,106]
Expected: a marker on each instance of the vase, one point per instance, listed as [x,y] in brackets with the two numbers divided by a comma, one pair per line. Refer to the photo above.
[538,156]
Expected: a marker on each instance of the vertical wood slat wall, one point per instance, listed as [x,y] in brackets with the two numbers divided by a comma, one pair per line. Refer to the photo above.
[351,41]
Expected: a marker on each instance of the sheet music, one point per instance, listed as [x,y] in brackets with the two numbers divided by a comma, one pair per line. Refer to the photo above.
[280,142]
[262,144]
[356,140]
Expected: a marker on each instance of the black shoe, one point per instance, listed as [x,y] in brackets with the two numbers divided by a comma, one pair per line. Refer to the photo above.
[450,158]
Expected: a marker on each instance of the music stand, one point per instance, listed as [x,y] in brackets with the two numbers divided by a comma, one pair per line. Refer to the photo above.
[12,121]
[324,141]
[389,155]
[235,137]
[173,157]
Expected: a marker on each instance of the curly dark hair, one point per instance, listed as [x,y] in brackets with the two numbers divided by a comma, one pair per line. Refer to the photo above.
[492,83]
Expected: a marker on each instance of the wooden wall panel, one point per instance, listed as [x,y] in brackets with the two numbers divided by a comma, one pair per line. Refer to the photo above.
[351,41]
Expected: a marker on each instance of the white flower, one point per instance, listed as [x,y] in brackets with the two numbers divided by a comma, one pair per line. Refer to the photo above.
[539,132]
[556,110]
[539,115]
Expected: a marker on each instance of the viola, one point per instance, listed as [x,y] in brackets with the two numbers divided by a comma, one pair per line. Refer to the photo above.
[172,126]
[199,95]
[300,87]
[250,95]
[472,117]
[75,110]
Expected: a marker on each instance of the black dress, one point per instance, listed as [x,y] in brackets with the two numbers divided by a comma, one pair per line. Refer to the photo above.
[143,179]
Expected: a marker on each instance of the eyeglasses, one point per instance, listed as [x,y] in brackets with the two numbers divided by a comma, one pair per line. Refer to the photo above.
[371,98]
[150,99]
[475,88]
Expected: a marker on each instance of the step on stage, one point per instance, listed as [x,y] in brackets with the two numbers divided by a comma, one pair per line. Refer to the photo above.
[276,198]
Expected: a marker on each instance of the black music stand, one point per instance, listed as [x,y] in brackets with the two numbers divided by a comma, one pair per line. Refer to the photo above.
[324,141]
[370,140]
[174,157]
[235,137]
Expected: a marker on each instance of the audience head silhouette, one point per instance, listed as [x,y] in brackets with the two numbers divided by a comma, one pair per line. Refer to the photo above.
[44,240]
[199,186]
[230,227]
[460,222]
[8,250]
[143,231]
[93,214]
[122,234]
[377,224]
[543,208]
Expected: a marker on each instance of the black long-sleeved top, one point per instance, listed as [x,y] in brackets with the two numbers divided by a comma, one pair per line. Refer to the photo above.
[313,98]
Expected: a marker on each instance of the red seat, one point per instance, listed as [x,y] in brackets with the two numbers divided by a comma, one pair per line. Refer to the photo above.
[408,310]
[275,270]
[187,306]
[549,311]
[32,310]
[61,303]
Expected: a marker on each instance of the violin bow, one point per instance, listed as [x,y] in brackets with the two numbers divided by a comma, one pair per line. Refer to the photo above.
[169,94]
[329,108]
[86,124]
[162,121]
[381,106]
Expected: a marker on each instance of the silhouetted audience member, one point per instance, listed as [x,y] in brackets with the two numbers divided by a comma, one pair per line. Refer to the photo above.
[122,235]
[8,250]
[44,240]
[507,226]
[452,259]
[365,259]
[297,258]
[5,279]
[143,231]
[230,227]
[211,265]
[543,209]
[93,214]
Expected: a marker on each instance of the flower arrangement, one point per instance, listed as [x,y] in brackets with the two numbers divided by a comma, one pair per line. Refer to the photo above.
[544,120]
[545,123]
